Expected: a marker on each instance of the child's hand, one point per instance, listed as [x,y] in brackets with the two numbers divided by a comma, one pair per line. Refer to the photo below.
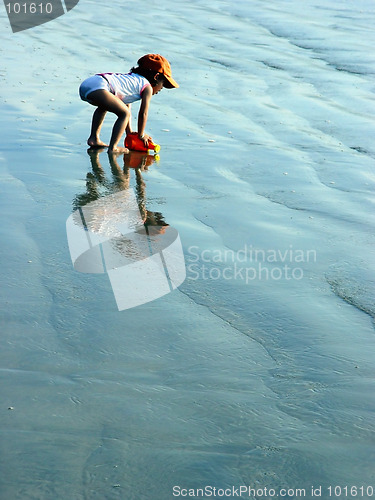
[146,139]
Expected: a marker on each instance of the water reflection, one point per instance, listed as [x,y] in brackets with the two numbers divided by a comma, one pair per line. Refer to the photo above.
[112,231]
[98,184]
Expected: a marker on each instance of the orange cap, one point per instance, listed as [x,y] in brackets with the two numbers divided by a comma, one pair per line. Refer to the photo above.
[158,63]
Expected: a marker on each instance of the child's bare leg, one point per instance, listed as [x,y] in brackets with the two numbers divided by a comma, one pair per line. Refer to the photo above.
[117,132]
[96,125]
[108,102]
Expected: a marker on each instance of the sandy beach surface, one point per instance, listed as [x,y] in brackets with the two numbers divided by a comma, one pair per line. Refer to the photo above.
[258,371]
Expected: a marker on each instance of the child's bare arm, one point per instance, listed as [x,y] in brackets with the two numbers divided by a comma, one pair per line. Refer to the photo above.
[143,112]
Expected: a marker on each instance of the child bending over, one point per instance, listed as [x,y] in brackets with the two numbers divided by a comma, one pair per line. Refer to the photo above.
[115,92]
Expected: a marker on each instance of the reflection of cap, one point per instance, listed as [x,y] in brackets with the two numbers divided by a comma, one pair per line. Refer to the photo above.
[158,63]
[108,236]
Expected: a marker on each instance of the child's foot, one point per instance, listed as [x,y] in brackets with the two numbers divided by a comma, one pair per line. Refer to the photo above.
[117,150]
[94,143]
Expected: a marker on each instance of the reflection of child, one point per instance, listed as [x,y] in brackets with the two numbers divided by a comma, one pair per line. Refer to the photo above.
[115,92]
[106,214]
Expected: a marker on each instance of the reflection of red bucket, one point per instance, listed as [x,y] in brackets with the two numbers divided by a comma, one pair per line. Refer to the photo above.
[133,142]
[135,159]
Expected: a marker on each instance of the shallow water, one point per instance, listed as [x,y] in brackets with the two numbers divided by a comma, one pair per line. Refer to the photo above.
[250,373]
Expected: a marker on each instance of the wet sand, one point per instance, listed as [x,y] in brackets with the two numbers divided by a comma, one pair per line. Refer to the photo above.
[247,374]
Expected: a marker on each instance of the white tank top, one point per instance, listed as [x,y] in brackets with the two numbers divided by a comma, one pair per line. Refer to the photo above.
[126,86]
